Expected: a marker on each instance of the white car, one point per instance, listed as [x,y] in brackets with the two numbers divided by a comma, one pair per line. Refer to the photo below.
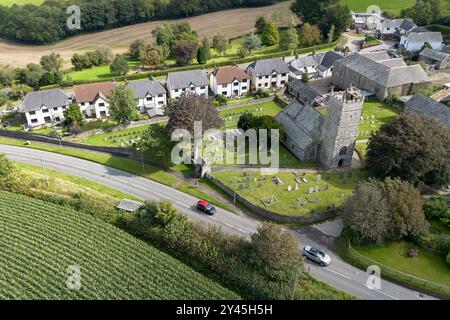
[316,255]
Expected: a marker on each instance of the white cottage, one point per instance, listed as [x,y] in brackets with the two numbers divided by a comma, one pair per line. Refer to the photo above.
[269,73]
[193,81]
[230,82]
[44,107]
[149,94]
[93,98]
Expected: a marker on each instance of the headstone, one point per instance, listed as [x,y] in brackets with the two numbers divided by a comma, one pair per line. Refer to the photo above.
[311,190]
[244,174]
[317,189]
[247,183]
[289,188]
[296,186]
[240,187]
[319,177]
[373,117]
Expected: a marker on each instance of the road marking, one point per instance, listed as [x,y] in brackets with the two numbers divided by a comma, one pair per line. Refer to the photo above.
[338,273]
[386,294]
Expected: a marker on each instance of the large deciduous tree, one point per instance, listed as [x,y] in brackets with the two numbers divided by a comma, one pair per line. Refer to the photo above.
[157,144]
[311,11]
[52,62]
[123,106]
[220,43]
[190,108]
[73,115]
[6,172]
[119,66]
[309,34]
[413,148]
[152,55]
[251,42]
[383,211]
[184,53]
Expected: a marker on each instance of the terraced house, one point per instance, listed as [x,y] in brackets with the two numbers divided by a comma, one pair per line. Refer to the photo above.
[230,82]
[150,95]
[194,81]
[44,107]
[269,73]
[93,98]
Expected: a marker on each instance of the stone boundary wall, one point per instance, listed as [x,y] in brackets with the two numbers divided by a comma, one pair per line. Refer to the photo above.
[51,140]
[245,103]
[269,214]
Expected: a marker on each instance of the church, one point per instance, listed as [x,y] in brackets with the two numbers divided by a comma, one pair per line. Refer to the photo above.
[330,138]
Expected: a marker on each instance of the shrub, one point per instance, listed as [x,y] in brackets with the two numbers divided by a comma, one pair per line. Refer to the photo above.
[448,258]
[221,100]
[260,94]
[413,252]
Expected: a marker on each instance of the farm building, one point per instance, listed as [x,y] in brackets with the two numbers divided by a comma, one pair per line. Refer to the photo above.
[429,108]
[414,41]
[378,78]
[436,58]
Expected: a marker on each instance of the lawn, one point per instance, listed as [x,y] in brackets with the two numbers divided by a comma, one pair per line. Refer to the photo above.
[428,265]
[381,114]
[96,73]
[393,6]
[9,3]
[42,241]
[339,186]
[231,117]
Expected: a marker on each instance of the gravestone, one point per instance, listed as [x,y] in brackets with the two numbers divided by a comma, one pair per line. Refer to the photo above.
[296,186]
[317,189]
[319,177]
[289,188]
[247,183]
[311,190]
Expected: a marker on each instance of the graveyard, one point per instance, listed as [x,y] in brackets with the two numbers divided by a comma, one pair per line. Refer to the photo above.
[293,192]
[375,114]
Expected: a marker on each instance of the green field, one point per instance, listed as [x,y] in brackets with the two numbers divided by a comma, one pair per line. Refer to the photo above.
[9,3]
[41,240]
[428,265]
[340,185]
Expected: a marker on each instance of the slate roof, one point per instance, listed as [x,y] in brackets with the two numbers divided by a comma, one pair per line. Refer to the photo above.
[89,92]
[420,29]
[184,79]
[310,60]
[330,58]
[446,48]
[227,75]
[398,62]
[422,37]
[384,75]
[53,98]
[144,87]
[301,123]
[268,66]
[407,24]
[392,23]
[434,54]
[376,55]
[304,91]
[429,107]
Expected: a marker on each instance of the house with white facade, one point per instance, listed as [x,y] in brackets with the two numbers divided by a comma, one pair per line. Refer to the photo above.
[269,73]
[315,65]
[394,29]
[44,107]
[193,81]
[93,98]
[414,41]
[367,20]
[149,94]
[230,82]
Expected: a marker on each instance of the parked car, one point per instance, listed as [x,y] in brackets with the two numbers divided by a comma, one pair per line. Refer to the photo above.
[316,255]
[206,207]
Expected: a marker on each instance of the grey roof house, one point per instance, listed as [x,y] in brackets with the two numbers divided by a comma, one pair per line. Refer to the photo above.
[269,66]
[430,108]
[303,92]
[194,81]
[378,78]
[316,65]
[146,87]
[54,98]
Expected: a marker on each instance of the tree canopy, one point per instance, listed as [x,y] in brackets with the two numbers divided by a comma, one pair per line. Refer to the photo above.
[270,35]
[413,148]
[122,105]
[119,66]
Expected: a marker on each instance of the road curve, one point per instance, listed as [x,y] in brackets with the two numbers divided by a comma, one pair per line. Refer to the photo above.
[339,274]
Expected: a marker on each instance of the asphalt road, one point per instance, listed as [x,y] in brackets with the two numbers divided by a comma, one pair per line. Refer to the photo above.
[339,274]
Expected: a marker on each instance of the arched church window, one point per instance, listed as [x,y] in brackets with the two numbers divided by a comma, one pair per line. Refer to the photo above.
[343,151]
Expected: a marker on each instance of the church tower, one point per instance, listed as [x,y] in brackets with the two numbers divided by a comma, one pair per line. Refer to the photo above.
[341,128]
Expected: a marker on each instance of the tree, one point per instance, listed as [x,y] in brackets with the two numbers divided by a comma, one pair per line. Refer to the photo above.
[119,66]
[437,208]
[424,14]
[309,34]
[152,55]
[260,24]
[185,53]
[7,75]
[190,108]
[51,77]
[80,62]
[31,75]
[7,171]
[201,56]
[270,35]
[263,122]
[220,43]
[413,148]
[243,52]
[73,115]
[338,16]
[277,250]
[136,49]
[383,211]
[221,100]
[122,105]
[251,42]
[156,141]
[291,40]
[52,62]
[311,11]
[206,45]
[107,56]
[331,33]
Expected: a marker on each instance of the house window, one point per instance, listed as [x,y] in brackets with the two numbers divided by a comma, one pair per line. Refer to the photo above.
[48,120]
[57,119]
[64,108]
[149,98]
[283,81]
[267,77]
[160,95]
[160,102]
[176,90]
[203,88]
[244,88]
[236,84]
[101,104]
[260,77]
[283,74]
[224,93]
[34,121]
[32,113]
[44,110]
[55,109]
[259,84]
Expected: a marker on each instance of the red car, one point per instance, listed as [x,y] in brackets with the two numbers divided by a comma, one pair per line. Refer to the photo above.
[206,207]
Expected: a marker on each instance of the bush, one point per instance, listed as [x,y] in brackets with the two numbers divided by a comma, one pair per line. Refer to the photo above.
[394,101]
[221,100]
[413,252]
[260,94]
[448,258]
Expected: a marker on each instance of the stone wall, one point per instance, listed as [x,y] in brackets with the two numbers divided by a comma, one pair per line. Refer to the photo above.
[264,213]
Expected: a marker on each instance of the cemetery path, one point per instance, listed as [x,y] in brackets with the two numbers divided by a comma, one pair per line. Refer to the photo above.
[339,274]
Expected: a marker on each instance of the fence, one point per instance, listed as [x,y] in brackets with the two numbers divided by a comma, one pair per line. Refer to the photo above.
[52,140]
[396,275]
[269,214]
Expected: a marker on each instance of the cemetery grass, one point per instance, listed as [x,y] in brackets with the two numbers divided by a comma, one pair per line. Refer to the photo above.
[114,264]
[340,186]
[382,114]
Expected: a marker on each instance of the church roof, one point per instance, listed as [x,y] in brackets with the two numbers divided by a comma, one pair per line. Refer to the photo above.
[302,123]
[304,91]
[429,107]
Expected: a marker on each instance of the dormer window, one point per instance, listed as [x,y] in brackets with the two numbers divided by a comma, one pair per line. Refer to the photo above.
[45,110]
